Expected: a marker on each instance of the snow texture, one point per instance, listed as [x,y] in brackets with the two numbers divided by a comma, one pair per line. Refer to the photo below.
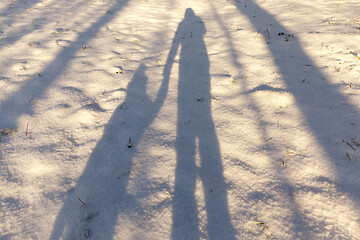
[147,119]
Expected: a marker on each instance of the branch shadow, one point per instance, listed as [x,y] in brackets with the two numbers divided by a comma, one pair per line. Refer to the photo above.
[12,19]
[196,133]
[30,27]
[13,9]
[102,185]
[19,103]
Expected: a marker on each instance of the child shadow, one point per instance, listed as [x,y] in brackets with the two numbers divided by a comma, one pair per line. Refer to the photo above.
[196,132]
[92,208]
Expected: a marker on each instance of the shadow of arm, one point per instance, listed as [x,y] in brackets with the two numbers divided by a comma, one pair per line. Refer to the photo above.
[167,71]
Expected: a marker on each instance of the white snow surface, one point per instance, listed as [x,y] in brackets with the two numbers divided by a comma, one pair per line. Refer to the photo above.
[149,119]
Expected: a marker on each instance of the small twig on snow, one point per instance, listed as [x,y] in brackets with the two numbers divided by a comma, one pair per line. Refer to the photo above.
[81,201]
[351,146]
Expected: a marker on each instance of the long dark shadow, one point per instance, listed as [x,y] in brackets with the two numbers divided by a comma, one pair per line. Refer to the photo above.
[9,20]
[327,112]
[195,131]
[102,185]
[21,32]
[299,220]
[12,8]
[19,102]
[31,26]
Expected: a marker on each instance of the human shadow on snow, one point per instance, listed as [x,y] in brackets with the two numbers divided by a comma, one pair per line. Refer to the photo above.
[196,133]
[20,102]
[102,185]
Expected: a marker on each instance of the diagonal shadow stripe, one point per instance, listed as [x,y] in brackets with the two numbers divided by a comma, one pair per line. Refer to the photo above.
[300,226]
[18,103]
[327,112]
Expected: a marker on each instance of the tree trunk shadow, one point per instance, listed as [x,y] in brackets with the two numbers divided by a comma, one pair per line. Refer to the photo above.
[300,221]
[327,112]
[19,102]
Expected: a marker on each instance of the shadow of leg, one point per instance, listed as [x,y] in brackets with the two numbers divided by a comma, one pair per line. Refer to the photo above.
[185,213]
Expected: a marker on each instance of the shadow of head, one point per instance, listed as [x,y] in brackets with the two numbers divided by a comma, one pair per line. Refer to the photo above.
[138,85]
[189,12]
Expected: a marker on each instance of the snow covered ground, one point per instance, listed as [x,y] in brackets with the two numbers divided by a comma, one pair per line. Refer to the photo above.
[148,119]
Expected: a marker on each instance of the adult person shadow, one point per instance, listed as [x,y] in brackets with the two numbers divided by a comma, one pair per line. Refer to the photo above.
[195,131]
[92,208]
